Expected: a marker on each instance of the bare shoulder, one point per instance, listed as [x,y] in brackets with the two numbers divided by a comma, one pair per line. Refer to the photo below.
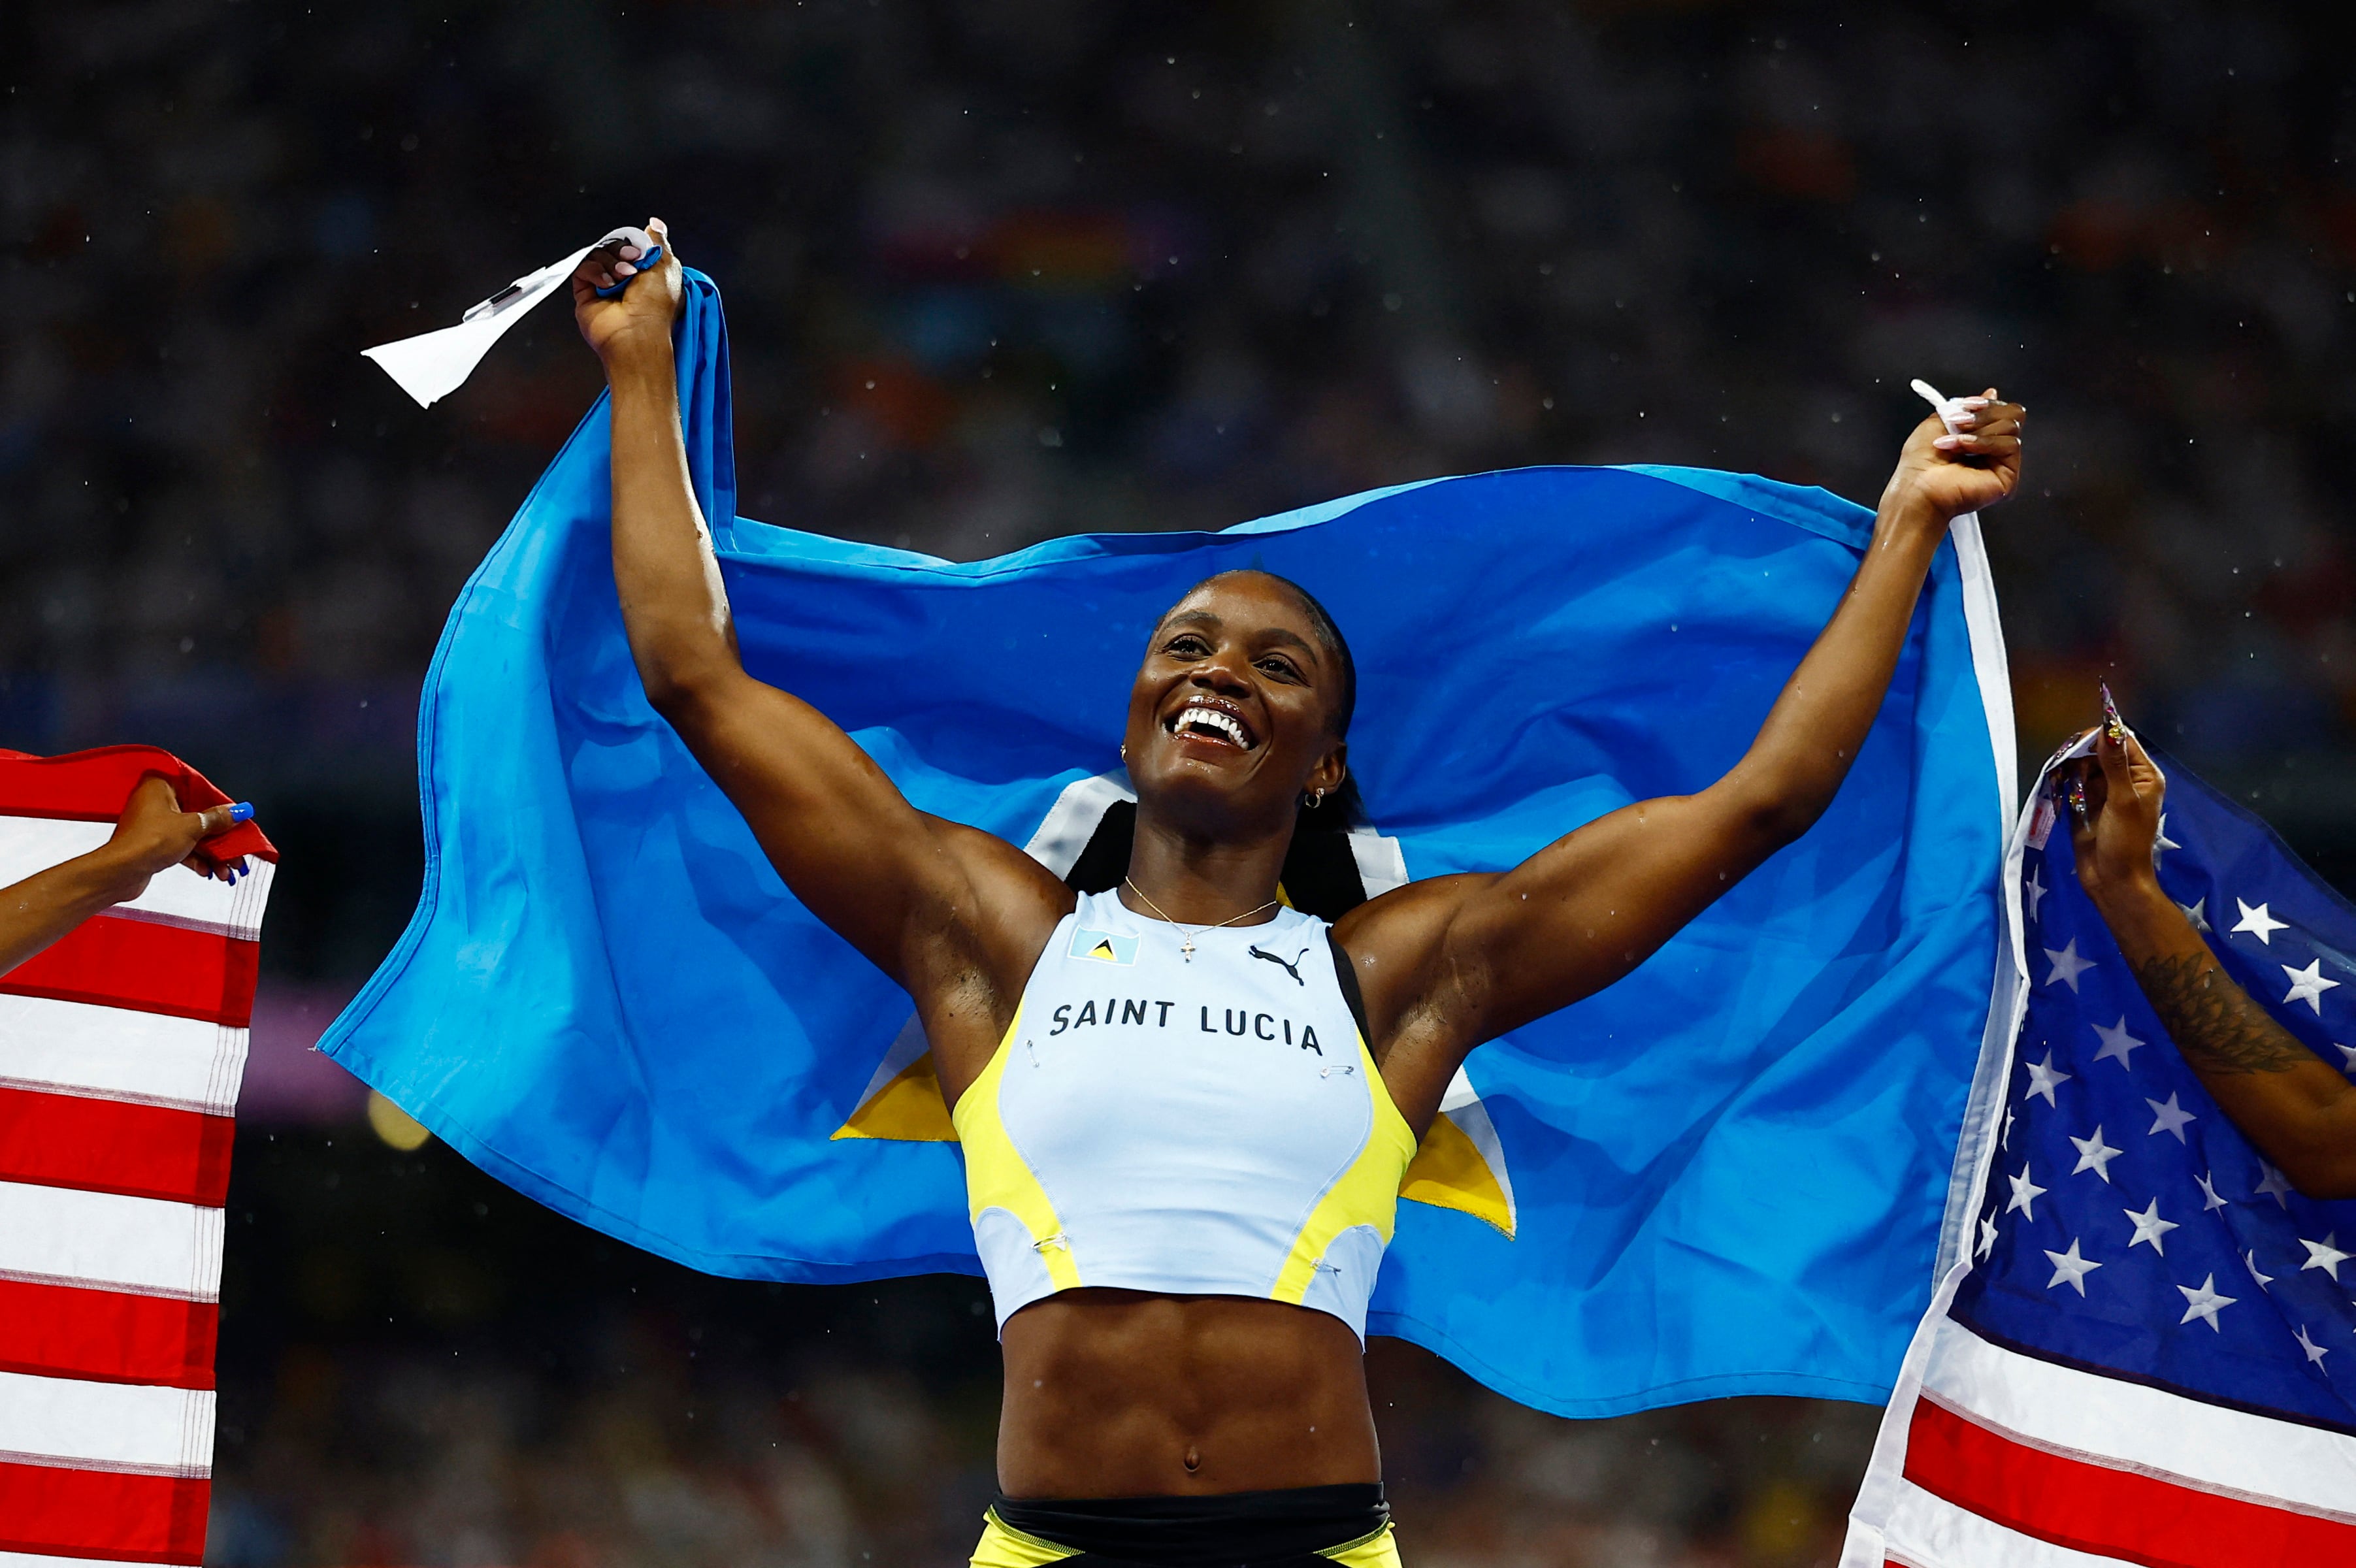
[1392,941]
[1002,905]
[976,953]
[1005,874]
[1400,918]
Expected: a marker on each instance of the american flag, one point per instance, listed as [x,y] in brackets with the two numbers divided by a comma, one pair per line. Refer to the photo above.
[2147,1353]
[121,1048]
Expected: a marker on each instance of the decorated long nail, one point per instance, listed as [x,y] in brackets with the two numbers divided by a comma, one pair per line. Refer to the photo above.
[2075,793]
[2114,726]
[242,812]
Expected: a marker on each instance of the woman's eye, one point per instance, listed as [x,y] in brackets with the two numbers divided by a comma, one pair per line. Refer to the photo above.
[1280,669]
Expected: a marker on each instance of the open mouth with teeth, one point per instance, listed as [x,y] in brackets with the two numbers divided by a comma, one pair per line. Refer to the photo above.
[1201,721]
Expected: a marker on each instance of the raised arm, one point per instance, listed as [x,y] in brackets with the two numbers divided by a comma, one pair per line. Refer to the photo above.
[2297,1109]
[933,903]
[1449,963]
[154,834]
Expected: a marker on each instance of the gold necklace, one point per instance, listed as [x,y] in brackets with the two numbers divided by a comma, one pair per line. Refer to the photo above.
[1186,948]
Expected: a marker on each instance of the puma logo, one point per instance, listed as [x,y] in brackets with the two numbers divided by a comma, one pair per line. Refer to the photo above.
[1292,969]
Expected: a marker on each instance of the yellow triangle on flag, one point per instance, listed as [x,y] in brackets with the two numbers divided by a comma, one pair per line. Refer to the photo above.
[907,1109]
[1103,950]
[1448,1171]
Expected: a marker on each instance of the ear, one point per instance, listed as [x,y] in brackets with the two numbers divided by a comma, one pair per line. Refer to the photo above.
[1330,770]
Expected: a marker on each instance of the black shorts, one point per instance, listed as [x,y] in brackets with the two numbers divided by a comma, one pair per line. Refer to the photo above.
[1301,1527]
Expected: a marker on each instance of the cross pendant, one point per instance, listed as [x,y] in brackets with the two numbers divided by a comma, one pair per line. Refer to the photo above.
[1187,950]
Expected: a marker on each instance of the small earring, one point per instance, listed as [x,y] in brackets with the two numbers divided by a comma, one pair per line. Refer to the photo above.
[1316,799]
[1124,751]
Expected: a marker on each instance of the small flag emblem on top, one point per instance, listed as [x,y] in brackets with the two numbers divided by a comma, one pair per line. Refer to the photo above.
[1105,947]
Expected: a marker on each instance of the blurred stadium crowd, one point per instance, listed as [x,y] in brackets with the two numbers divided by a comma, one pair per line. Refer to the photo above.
[1002,271]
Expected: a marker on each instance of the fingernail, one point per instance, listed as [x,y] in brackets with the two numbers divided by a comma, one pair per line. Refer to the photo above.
[1945,443]
[623,270]
[242,812]
[629,253]
[2115,728]
[1975,402]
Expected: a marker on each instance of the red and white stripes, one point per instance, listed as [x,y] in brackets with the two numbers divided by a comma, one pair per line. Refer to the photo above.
[2006,1459]
[121,1048]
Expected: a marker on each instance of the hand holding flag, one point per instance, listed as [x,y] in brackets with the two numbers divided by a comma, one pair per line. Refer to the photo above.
[1963,458]
[635,319]
[2125,792]
[2300,1113]
[153,834]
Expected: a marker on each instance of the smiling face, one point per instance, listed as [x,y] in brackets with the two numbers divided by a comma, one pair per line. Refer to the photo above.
[1236,708]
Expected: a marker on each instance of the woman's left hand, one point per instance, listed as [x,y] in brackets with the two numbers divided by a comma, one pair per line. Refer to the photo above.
[2113,832]
[1974,467]
[154,834]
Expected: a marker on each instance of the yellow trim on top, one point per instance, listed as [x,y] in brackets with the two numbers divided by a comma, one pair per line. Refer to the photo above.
[1364,1194]
[998,1176]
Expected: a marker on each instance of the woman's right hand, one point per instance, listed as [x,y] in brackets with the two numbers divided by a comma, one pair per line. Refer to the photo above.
[637,320]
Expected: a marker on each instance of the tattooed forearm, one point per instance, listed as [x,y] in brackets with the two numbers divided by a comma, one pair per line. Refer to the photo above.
[2213,1021]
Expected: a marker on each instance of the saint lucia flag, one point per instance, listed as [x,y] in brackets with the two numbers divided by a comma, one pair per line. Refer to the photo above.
[1725,1174]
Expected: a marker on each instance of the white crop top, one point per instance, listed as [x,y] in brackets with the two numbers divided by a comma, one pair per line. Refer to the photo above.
[1211,1126]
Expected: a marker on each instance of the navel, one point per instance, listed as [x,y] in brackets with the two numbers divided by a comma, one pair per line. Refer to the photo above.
[1194,1459]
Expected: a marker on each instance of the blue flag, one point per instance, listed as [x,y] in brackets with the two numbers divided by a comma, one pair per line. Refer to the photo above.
[1724,1175]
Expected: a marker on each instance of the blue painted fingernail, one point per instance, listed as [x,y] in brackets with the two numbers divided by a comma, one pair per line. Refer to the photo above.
[242,812]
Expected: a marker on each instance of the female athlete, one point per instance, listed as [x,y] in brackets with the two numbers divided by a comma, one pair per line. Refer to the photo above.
[1184,1108]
